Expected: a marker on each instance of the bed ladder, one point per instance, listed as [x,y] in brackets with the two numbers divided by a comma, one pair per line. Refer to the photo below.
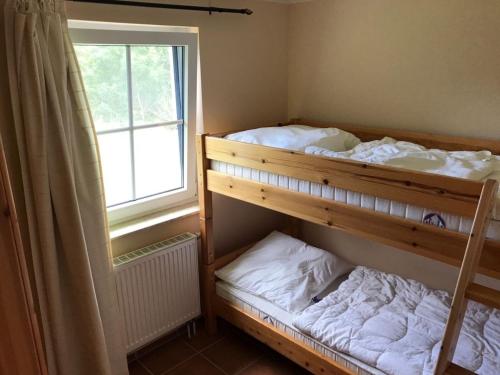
[466,288]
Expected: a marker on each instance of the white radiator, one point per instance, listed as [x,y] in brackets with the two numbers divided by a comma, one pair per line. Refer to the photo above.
[158,288]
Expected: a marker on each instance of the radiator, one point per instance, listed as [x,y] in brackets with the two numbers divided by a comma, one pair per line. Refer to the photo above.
[158,288]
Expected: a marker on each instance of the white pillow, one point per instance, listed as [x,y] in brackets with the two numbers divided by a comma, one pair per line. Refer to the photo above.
[298,137]
[285,271]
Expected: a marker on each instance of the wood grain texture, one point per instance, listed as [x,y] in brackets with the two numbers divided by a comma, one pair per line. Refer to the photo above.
[205,202]
[284,344]
[454,369]
[206,234]
[443,193]
[467,272]
[422,239]
[482,294]
[202,164]
[429,140]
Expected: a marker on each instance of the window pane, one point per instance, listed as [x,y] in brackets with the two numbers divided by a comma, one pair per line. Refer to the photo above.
[157,160]
[153,86]
[117,167]
[104,71]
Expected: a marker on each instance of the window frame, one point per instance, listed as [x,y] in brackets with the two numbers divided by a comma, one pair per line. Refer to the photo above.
[91,32]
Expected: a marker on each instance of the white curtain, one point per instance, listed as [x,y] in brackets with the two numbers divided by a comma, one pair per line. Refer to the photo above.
[62,193]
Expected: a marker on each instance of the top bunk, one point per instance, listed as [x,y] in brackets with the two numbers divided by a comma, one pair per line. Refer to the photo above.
[384,203]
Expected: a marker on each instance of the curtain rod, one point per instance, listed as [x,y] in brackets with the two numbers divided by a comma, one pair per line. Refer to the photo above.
[208,9]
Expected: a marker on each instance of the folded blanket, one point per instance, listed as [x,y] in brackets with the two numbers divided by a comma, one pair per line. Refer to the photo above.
[397,325]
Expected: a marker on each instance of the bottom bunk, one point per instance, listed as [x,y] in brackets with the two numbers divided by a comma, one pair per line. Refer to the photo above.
[273,326]
[298,300]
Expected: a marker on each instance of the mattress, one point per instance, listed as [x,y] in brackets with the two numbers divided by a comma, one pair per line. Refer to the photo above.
[282,320]
[370,202]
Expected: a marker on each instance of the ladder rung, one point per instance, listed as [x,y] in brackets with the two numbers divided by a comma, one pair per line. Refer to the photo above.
[454,369]
[482,294]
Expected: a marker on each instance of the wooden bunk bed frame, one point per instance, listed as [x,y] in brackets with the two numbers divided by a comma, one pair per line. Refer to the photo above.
[472,253]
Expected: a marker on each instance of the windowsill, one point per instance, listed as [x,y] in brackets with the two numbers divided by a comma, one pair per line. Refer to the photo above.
[135,225]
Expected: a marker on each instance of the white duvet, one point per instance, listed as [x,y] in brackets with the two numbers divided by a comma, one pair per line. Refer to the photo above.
[396,325]
[337,143]
[473,165]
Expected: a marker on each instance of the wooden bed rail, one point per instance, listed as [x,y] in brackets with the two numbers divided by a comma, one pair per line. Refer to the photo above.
[423,239]
[287,345]
[206,233]
[443,193]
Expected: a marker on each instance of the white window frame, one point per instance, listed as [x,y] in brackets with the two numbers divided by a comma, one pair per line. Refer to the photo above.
[129,34]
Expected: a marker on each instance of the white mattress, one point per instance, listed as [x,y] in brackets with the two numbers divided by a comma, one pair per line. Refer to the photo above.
[282,320]
[390,207]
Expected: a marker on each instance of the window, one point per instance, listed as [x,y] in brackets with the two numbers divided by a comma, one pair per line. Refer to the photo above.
[141,87]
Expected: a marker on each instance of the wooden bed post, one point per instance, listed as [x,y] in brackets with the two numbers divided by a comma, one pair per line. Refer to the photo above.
[466,277]
[206,232]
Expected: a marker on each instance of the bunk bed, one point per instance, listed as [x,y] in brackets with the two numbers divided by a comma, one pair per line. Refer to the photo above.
[466,199]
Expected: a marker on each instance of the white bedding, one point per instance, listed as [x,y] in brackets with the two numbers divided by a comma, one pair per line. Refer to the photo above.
[472,165]
[298,137]
[283,320]
[285,271]
[396,325]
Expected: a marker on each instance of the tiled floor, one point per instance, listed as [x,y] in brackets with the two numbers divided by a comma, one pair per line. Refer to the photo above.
[230,352]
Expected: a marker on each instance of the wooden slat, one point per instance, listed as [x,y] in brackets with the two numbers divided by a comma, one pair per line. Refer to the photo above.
[491,259]
[283,343]
[205,202]
[228,258]
[466,275]
[454,369]
[426,240]
[429,140]
[443,193]
[206,234]
[202,165]
[482,294]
